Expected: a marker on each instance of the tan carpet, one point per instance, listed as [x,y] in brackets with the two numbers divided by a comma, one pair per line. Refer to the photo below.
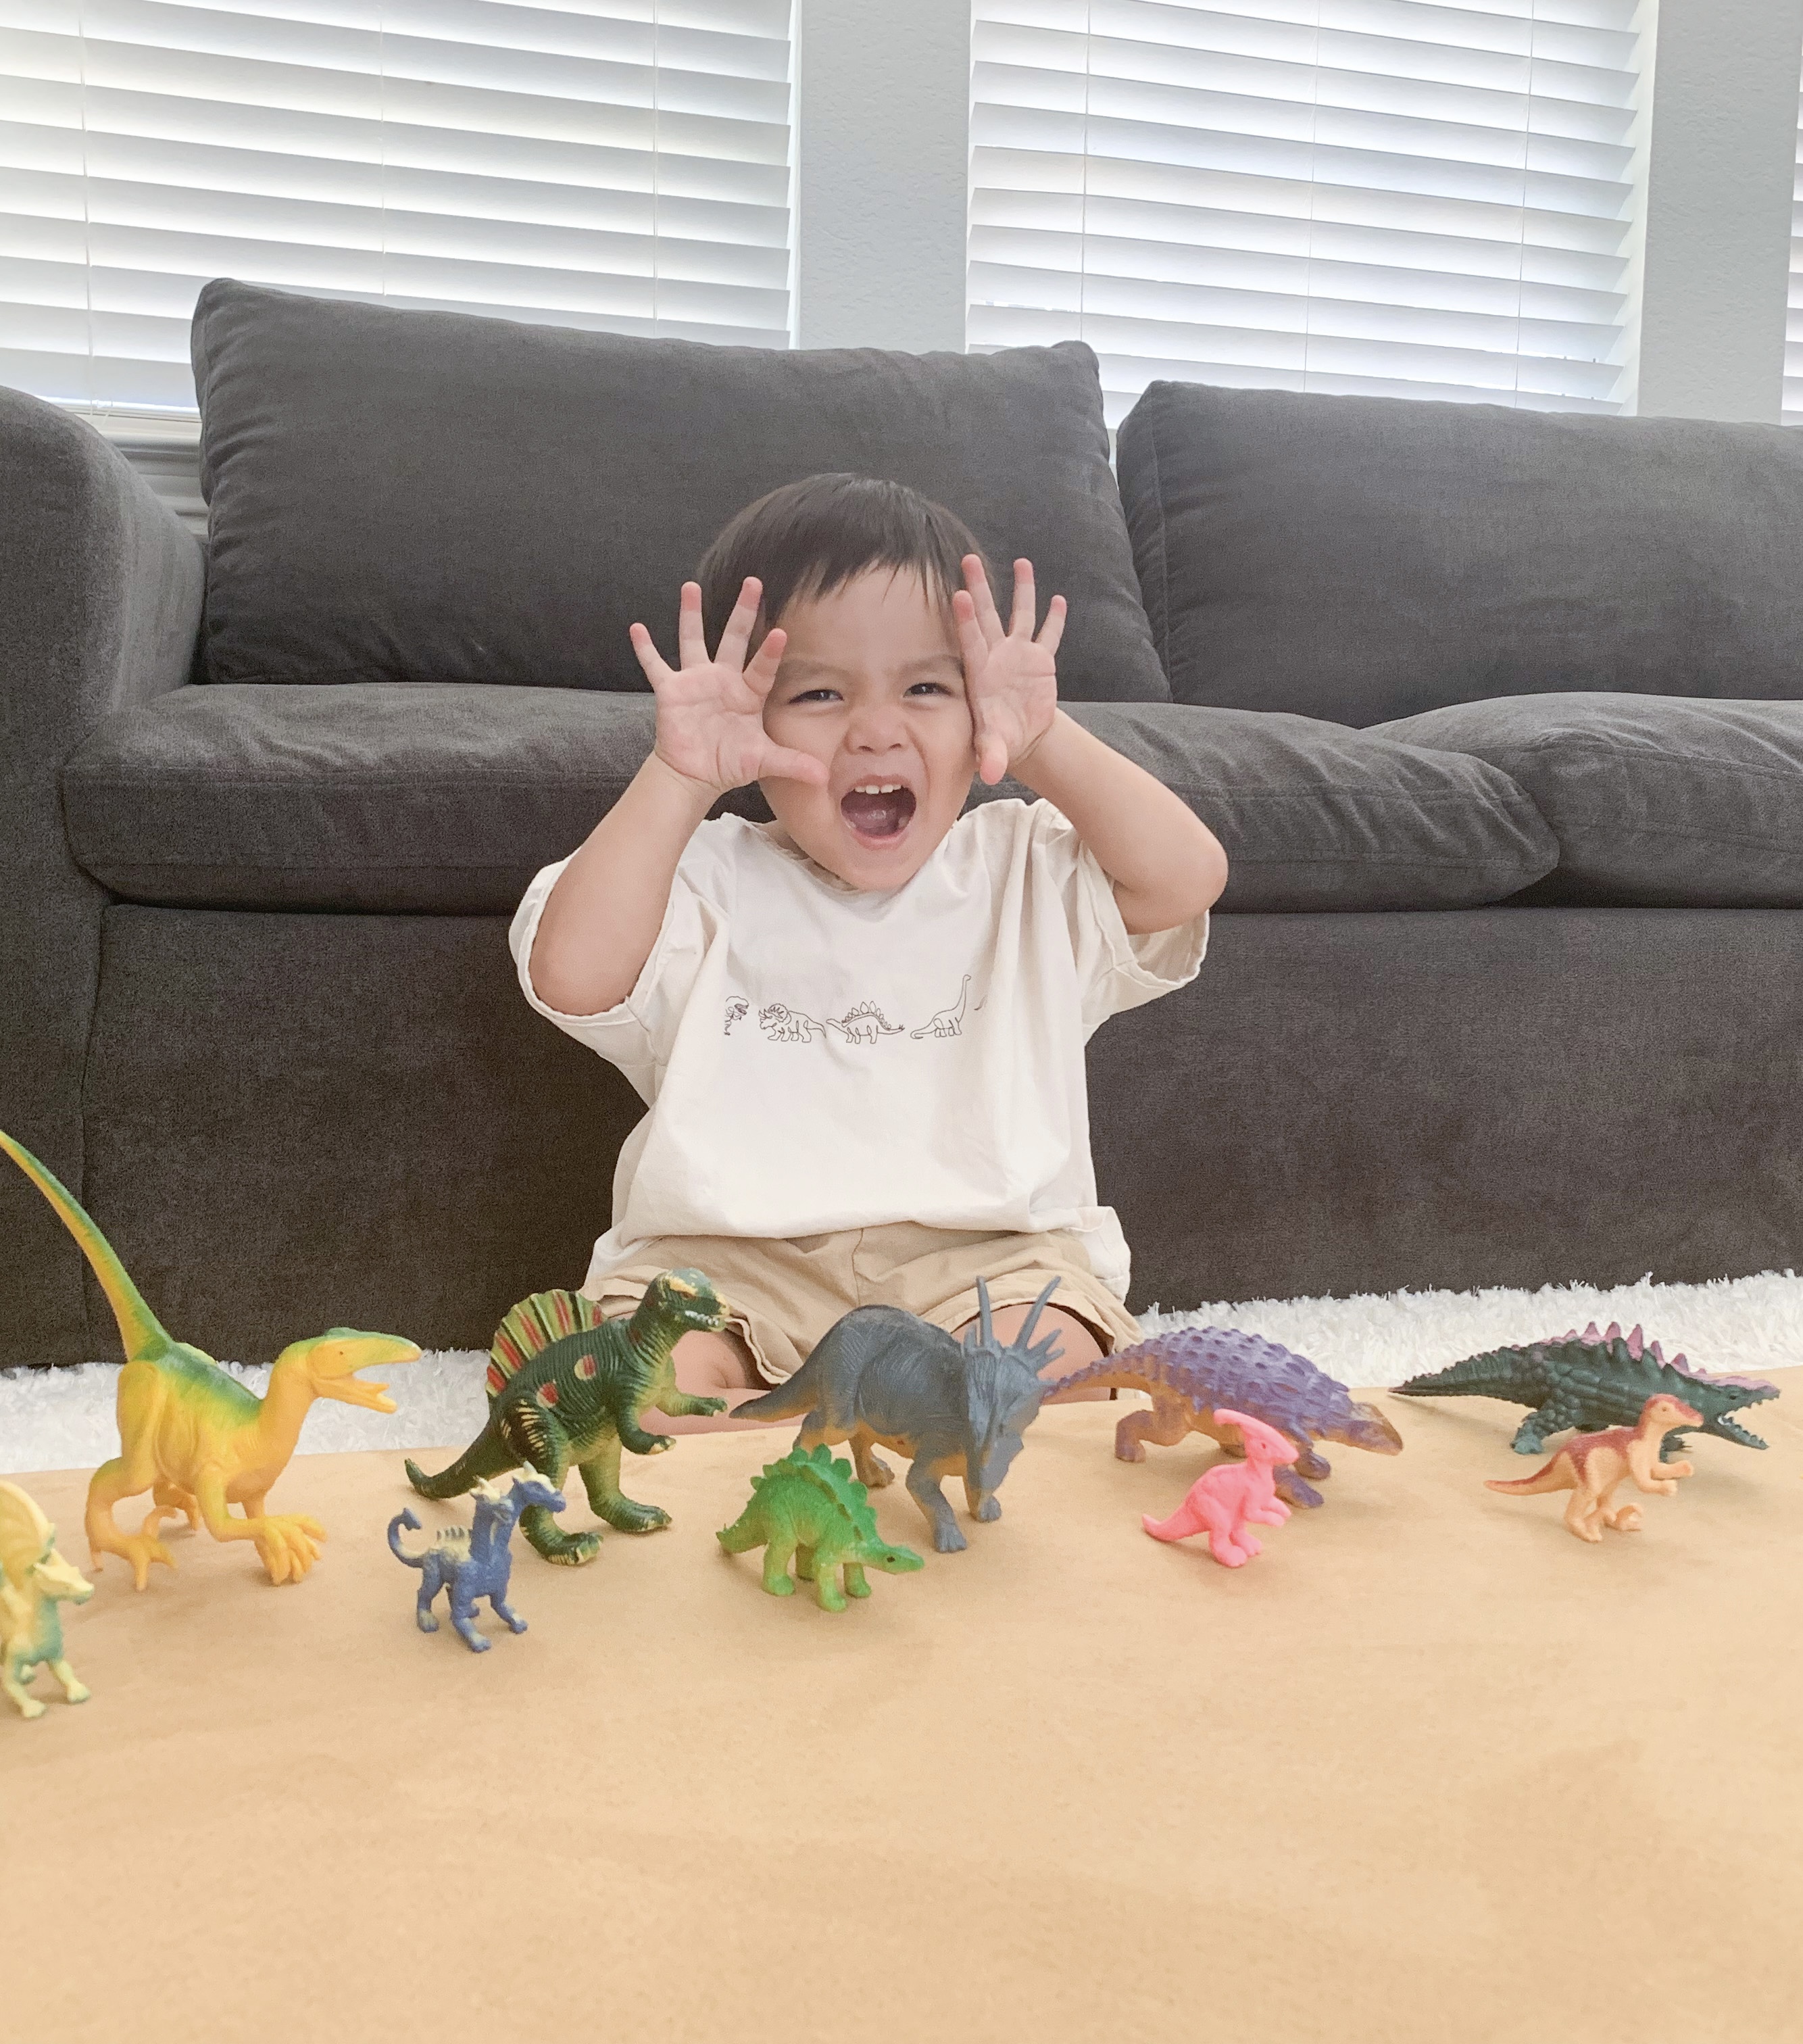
[1428,1769]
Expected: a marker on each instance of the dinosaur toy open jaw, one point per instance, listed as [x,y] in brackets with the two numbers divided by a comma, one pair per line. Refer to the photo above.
[1726,1423]
[878,809]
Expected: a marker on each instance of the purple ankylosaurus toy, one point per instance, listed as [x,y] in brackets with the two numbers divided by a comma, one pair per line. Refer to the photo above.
[1189,1372]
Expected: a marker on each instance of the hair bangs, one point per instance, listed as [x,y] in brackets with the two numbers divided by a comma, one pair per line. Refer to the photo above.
[809,538]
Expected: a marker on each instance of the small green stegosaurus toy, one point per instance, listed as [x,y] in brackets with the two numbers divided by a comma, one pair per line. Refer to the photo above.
[809,1509]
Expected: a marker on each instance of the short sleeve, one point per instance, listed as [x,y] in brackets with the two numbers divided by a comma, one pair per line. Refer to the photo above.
[637,1035]
[1116,971]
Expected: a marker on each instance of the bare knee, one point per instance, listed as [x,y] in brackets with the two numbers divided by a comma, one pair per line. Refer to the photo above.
[707,1364]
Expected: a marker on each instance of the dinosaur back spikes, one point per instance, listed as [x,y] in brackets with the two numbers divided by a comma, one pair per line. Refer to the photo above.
[532,1326]
[833,1475]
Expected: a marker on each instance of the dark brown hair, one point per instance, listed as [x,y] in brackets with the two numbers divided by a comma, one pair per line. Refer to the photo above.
[811,537]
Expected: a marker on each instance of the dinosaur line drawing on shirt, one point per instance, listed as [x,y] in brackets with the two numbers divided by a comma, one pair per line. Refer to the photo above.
[948,1021]
[864,1023]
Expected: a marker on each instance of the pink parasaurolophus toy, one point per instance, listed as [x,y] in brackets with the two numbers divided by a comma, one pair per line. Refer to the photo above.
[1224,1500]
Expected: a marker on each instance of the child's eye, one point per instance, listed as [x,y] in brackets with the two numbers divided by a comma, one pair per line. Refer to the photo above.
[931,688]
[815,695]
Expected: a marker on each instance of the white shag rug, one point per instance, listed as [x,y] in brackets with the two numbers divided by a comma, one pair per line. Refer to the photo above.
[63,1418]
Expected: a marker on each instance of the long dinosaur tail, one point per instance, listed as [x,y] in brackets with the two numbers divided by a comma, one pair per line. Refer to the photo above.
[1107,1370]
[789,1399]
[483,1458]
[1496,1373]
[412,1525]
[1526,1486]
[143,1334]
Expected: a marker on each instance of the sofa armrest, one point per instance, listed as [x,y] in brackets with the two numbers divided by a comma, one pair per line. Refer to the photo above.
[100,605]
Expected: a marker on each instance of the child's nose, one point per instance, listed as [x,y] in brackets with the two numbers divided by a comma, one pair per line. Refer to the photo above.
[875,728]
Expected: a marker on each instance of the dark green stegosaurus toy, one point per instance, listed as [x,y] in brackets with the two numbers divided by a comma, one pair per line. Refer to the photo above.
[566,1387]
[809,1509]
[1593,1380]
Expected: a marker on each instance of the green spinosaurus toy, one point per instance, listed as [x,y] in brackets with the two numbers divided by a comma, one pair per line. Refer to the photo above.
[566,1387]
[809,1510]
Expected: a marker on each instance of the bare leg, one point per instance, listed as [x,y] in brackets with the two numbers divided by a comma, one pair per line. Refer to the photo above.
[1077,1346]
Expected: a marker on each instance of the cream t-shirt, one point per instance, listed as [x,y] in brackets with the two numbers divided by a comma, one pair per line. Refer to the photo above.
[814,1057]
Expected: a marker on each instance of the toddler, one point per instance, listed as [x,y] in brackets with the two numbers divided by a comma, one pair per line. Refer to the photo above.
[859,1030]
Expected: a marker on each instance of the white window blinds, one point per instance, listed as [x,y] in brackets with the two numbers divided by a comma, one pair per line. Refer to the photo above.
[1343,195]
[620,164]
[1793,314]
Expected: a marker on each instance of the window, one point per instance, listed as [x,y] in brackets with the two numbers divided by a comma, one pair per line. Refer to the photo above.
[1343,195]
[1794,316]
[620,164]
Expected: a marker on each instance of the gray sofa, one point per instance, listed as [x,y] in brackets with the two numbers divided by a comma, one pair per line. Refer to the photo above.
[1498,715]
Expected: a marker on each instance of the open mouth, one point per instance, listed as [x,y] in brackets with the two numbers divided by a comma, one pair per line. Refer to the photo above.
[877,810]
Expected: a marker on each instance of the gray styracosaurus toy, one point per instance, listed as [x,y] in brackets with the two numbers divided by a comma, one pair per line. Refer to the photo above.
[955,1408]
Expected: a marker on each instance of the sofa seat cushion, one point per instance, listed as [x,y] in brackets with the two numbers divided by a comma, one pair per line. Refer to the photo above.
[408,496]
[1363,558]
[1657,801]
[447,799]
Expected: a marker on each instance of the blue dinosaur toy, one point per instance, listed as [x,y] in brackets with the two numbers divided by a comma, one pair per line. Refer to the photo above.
[475,1562]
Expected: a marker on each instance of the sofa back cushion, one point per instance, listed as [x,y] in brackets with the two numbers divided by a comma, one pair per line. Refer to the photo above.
[1363,559]
[433,496]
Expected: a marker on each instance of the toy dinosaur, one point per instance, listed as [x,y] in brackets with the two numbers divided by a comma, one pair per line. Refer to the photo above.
[566,1386]
[956,1408]
[475,1561]
[193,1436]
[1590,1465]
[1188,1371]
[808,1509]
[1223,1500]
[35,1581]
[1594,1380]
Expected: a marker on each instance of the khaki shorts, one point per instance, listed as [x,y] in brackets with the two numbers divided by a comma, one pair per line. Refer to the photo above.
[780,1297]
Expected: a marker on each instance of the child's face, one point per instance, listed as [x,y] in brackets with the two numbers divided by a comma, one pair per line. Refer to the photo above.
[871,684]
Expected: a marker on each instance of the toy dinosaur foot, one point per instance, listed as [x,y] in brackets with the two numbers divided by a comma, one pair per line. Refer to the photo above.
[138,1551]
[1627,1519]
[873,1473]
[571,1551]
[288,1546]
[948,1540]
[624,1516]
[1303,1496]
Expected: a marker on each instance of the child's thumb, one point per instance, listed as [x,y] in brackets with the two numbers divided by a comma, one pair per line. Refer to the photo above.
[781,764]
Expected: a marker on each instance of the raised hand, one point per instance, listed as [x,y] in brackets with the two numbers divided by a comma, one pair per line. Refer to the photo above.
[1010,676]
[711,712]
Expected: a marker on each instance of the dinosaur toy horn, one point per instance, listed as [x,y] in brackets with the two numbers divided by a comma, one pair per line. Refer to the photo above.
[987,1333]
[1024,1339]
[143,1334]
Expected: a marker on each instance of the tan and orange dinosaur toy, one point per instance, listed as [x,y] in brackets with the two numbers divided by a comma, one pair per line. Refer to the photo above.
[192,1435]
[1590,1465]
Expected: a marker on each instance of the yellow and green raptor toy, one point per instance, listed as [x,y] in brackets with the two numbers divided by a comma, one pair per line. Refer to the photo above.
[193,1436]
